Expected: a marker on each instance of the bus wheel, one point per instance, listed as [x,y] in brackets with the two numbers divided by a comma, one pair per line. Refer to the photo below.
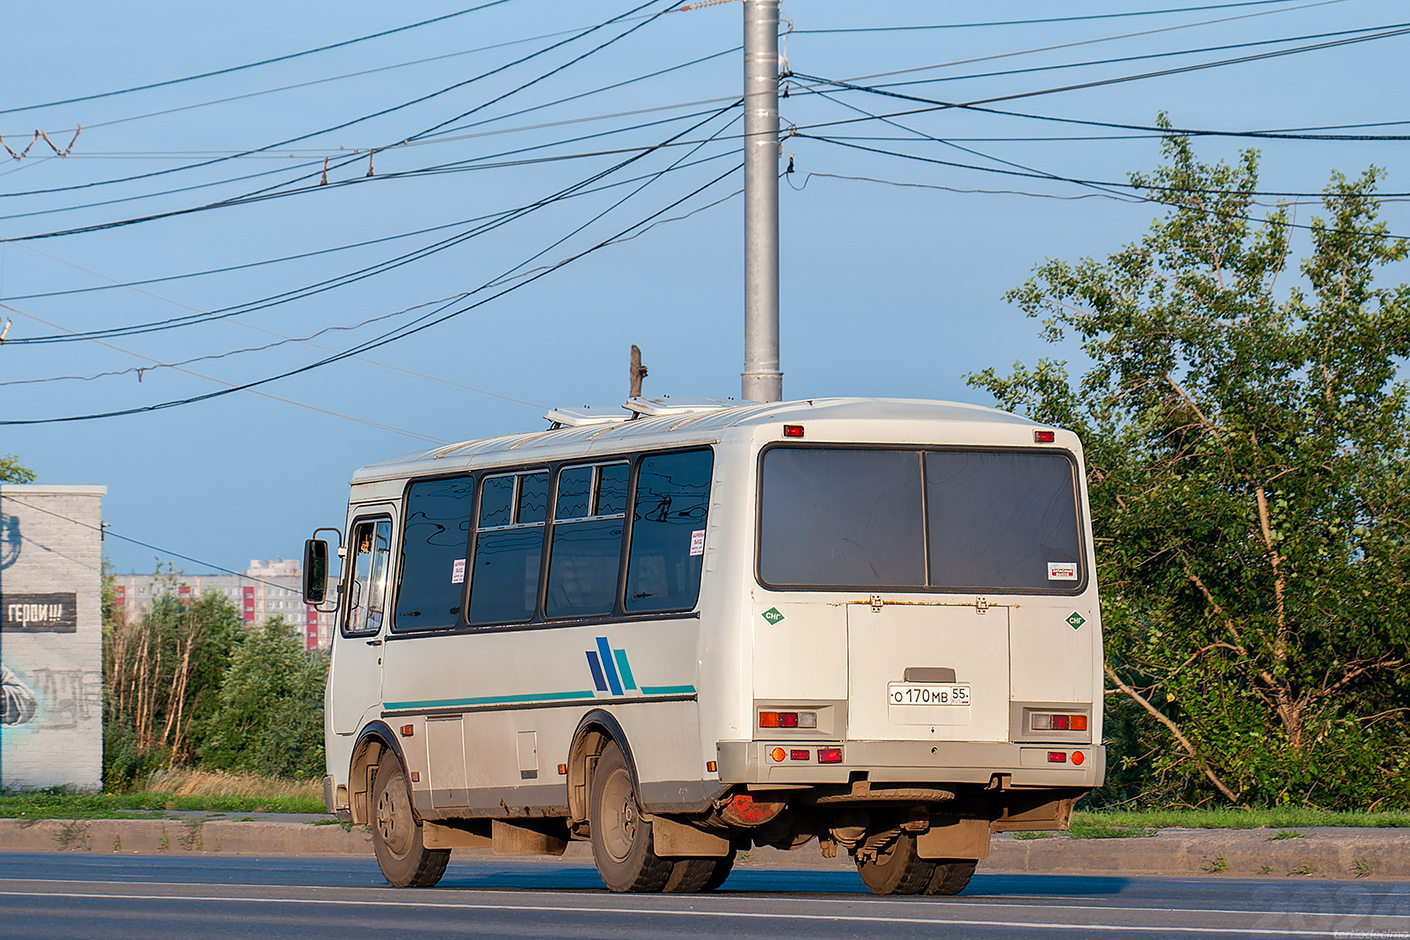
[897,869]
[621,837]
[951,876]
[396,833]
[691,875]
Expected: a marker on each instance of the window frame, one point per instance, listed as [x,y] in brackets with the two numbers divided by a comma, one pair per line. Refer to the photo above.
[1076,588]
[351,571]
[552,521]
[404,505]
[539,621]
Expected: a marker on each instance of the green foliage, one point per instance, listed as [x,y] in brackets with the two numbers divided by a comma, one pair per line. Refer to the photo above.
[270,719]
[162,676]
[12,471]
[61,804]
[1244,427]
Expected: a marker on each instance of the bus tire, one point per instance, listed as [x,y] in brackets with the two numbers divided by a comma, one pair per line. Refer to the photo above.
[621,836]
[897,869]
[397,833]
[951,876]
[698,875]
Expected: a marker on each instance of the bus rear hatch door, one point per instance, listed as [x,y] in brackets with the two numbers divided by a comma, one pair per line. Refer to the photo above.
[927,672]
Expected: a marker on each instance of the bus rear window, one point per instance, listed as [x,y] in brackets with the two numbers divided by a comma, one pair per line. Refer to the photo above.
[942,520]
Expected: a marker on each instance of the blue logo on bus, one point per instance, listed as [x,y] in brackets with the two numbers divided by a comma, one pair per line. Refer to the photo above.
[610,669]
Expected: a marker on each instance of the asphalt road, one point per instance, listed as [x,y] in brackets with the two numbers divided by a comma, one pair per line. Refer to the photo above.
[62,895]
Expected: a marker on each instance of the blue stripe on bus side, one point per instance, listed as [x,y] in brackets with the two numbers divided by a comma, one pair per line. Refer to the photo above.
[493,700]
[607,665]
[596,668]
[668,690]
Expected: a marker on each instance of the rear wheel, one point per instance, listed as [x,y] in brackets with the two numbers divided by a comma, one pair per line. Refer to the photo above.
[621,837]
[897,869]
[691,875]
[397,834]
[951,876]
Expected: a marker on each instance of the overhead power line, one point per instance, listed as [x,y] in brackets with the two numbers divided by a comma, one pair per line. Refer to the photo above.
[423,323]
[251,65]
[1037,21]
[107,531]
[349,123]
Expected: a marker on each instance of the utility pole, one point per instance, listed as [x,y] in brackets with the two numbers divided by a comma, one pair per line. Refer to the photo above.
[762,380]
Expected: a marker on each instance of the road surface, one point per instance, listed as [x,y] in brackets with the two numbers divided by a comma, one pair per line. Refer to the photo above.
[63,895]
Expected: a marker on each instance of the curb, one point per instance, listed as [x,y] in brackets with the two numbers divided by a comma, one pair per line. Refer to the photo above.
[1339,853]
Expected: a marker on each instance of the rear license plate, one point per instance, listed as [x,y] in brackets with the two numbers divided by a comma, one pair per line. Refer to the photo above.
[927,693]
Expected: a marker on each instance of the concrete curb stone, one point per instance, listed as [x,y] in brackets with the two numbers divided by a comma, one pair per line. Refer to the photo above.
[1339,853]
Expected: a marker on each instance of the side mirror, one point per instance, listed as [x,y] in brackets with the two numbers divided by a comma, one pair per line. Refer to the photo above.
[315,584]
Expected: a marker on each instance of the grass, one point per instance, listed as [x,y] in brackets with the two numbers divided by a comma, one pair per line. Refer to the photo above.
[1281,817]
[183,790]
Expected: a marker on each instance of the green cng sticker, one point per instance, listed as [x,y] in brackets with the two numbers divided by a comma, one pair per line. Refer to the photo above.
[772,615]
[1075,620]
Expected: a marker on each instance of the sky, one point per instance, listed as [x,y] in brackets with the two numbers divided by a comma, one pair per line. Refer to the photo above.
[519,191]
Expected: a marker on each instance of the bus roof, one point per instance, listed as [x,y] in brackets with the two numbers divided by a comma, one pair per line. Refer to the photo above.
[675,429]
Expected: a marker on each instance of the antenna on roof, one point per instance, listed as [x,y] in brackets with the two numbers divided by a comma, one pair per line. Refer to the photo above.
[637,373]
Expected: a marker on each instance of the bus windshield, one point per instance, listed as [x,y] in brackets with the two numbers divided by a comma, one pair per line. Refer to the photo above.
[936,520]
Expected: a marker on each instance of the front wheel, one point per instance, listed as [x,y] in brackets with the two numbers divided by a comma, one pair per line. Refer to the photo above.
[897,869]
[397,834]
[621,837]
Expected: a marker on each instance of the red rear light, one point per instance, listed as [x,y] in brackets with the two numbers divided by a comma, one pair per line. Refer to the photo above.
[829,755]
[800,755]
[793,430]
[1057,757]
[788,719]
[1044,437]
[1060,722]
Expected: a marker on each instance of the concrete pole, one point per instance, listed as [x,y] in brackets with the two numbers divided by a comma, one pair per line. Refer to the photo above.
[762,380]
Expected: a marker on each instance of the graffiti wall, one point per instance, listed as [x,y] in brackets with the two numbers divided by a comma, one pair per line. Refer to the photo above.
[51,672]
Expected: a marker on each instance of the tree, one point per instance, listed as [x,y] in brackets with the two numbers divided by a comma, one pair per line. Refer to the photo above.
[271,707]
[12,471]
[1246,447]
[162,675]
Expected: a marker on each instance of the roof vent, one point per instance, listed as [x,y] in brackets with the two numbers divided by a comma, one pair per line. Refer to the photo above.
[658,407]
[585,416]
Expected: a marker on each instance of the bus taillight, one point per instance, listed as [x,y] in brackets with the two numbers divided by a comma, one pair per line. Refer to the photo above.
[829,755]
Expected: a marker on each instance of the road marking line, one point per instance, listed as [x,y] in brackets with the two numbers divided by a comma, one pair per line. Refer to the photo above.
[737,915]
[954,902]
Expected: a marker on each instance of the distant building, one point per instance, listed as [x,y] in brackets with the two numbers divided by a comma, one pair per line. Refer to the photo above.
[266,589]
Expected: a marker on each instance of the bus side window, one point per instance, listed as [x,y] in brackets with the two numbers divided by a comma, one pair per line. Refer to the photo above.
[586,554]
[372,550]
[504,587]
[668,531]
[433,543]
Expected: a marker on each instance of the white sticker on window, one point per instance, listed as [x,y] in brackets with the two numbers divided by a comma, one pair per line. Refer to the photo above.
[1062,571]
[457,571]
[697,542]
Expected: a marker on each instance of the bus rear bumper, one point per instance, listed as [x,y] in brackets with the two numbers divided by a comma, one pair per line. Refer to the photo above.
[939,762]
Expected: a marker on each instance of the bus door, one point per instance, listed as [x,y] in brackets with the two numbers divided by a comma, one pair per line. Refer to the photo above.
[936,671]
[355,681]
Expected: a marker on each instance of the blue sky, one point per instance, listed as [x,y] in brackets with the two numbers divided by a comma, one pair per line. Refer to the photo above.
[893,269]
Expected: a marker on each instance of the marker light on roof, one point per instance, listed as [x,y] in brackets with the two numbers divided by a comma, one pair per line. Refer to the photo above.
[793,430]
[1044,437]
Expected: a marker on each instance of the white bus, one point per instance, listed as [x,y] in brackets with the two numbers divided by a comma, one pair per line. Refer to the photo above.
[689,628]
